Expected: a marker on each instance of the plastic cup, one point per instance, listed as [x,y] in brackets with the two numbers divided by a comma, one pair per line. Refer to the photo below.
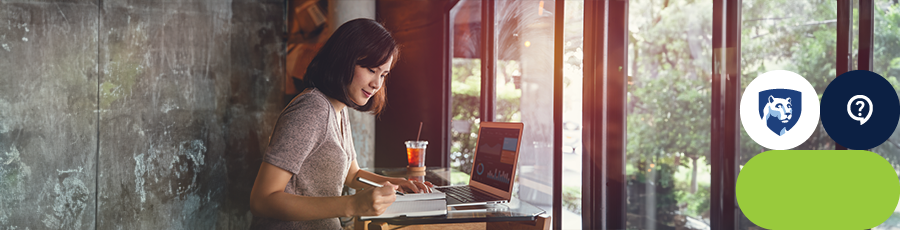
[416,176]
[415,154]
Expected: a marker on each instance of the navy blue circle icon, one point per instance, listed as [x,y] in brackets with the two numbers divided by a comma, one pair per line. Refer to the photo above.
[860,109]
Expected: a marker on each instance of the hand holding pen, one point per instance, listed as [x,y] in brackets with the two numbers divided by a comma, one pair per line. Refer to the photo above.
[368,182]
[372,201]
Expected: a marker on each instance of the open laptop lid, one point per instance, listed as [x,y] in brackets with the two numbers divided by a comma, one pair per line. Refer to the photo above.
[496,157]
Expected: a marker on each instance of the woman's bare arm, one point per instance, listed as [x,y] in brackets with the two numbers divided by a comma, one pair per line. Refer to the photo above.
[355,172]
[268,199]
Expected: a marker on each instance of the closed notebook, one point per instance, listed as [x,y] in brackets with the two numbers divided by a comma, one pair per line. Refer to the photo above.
[415,205]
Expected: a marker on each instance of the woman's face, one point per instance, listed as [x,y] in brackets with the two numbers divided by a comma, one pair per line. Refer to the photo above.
[367,81]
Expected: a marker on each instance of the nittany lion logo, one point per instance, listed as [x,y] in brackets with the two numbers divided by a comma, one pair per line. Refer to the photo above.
[779,108]
[778,111]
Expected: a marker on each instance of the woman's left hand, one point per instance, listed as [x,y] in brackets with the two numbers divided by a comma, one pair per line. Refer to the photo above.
[414,186]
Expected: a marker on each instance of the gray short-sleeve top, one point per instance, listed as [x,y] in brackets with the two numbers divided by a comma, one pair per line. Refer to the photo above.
[307,141]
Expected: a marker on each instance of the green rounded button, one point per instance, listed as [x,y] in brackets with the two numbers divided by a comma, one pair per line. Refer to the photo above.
[818,189]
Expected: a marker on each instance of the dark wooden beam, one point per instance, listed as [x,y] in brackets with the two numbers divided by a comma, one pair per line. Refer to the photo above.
[725,134]
[844,42]
[616,97]
[488,61]
[558,41]
[605,77]
[593,214]
[866,34]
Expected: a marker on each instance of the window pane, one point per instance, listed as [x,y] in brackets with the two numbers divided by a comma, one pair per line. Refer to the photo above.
[668,123]
[573,79]
[524,87]
[799,36]
[465,86]
[886,62]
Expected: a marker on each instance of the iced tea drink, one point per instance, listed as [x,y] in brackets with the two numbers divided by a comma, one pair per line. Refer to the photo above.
[415,154]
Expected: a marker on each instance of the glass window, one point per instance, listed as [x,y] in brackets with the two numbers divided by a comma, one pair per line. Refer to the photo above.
[573,81]
[524,88]
[799,36]
[886,62]
[668,121]
[465,87]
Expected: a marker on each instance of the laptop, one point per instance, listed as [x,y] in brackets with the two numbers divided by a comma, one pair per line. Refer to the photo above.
[493,166]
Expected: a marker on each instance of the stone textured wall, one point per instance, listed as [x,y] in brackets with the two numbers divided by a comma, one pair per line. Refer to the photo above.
[123,114]
[363,124]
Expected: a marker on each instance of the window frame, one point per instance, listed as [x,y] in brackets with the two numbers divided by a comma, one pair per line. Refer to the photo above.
[725,128]
[603,134]
[844,42]
[558,41]
[488,88]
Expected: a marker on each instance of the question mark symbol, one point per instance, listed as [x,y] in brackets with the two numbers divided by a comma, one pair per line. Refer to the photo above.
[861,105]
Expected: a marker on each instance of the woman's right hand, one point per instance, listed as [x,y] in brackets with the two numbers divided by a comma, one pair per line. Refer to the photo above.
[374,201]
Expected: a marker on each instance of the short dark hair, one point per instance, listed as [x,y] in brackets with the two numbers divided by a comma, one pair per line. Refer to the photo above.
[362,42]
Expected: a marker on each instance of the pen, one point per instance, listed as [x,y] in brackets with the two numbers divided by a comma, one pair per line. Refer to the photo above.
[368,182]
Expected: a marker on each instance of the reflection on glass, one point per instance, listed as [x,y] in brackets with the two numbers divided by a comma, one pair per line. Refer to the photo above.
[465,87]
[573,63]
[524,88]
[886,62]
[798,36]
[668,121]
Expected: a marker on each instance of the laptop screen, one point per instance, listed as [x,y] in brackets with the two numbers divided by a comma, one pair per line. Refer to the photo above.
[496,156]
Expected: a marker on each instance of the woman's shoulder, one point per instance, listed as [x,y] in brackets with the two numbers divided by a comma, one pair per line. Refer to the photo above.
[309,101]
[311,96]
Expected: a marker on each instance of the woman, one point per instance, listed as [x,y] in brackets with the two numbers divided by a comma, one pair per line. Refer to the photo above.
[310,156]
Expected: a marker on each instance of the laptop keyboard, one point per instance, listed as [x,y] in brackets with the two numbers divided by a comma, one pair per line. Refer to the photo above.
[465,194]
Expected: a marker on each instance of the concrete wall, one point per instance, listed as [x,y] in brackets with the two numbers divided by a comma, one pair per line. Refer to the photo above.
[124,114]
[363,124]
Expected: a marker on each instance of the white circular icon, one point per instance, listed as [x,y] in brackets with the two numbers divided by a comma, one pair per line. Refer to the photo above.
[779,110]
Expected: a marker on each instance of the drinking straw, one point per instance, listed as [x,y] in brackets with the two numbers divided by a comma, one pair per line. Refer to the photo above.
[420,132]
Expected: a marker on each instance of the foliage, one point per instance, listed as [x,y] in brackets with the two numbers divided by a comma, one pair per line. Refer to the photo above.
[466,88]
[465,102]
[670,117]
[798,36]
[668,102]
[665,197]
[887,64]
[801,36]
[696,204]
[668,123]
[571,199]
